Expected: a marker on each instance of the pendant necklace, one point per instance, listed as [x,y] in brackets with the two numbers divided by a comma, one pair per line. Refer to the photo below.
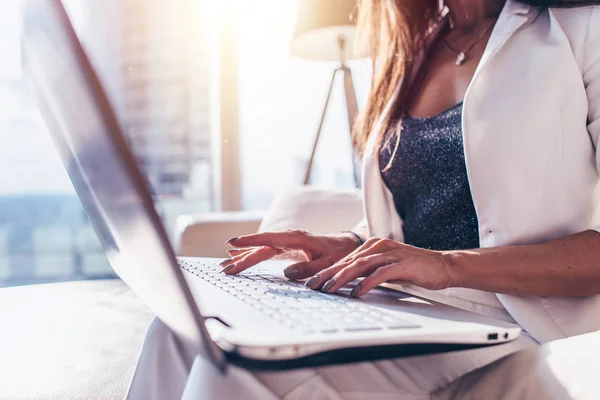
[462,55]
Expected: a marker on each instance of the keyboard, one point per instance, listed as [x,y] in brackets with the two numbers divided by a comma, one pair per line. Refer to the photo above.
[294,305]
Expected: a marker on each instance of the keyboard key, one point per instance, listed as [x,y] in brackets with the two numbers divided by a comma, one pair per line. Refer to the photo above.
[329,330]
[359,328]
[401,325]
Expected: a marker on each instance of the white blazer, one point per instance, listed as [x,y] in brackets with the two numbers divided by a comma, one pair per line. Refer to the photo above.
[531,123]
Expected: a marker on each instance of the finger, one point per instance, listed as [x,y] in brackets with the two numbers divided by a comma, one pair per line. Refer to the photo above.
[371,247]
[390,272]
[234,259]
[249,260]
[293,255]
[227,262]
[334,279]
[317,281]
[237,252]
[296,255]
[362,248]
[297,240]
[324,277]
[303,270]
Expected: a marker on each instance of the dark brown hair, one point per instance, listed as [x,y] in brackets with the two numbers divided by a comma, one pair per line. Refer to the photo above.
[394,32]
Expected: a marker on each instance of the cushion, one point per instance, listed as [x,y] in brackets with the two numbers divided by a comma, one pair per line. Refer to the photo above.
[314,210]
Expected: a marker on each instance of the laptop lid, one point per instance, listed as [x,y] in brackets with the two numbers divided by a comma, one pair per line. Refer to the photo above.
[104,172]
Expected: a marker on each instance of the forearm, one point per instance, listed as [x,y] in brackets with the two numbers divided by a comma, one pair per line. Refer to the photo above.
[568,266]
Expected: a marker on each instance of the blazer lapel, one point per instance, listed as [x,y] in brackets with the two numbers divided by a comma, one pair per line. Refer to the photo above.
[513,16]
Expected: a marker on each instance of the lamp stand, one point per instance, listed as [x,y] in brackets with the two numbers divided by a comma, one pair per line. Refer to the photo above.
[351,106]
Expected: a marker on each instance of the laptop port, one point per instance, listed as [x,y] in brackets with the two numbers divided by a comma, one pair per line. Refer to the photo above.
[493,336]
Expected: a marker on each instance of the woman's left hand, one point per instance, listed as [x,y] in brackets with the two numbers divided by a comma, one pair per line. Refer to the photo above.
[384,260]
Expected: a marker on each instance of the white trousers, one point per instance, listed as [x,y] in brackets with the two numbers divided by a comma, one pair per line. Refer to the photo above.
[162,373]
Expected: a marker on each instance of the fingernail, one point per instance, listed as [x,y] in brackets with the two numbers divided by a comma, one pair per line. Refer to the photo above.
[224,262]
[291,272]
[356,290]
[312,281]
[232,239]
[328,285]
[227,269]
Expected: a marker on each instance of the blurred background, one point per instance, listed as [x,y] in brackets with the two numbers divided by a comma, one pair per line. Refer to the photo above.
[221,117]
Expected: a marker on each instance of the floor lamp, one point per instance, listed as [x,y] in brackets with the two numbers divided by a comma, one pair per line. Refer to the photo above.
[325,31]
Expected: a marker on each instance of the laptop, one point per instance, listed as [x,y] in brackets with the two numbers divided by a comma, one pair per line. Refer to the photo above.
[257,320]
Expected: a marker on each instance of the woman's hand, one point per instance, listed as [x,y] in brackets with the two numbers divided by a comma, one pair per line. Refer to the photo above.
[384,260]
[313,252]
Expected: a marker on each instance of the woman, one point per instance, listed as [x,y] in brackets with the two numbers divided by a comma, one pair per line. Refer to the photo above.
[479,144]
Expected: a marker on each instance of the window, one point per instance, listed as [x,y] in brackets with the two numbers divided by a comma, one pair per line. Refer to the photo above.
[44,232]
[154,58]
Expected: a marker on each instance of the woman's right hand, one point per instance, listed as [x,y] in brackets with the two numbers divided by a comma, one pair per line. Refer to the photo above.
[313,253]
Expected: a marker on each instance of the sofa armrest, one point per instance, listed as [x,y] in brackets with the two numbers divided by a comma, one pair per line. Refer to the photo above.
[204,235]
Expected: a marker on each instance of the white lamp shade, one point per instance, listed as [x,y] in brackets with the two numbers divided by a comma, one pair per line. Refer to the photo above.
[320,25]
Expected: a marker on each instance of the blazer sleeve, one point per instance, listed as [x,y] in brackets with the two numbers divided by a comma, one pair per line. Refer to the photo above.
[591,80]
[362,228]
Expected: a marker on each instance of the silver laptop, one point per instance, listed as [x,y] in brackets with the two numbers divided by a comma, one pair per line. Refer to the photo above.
[258,319]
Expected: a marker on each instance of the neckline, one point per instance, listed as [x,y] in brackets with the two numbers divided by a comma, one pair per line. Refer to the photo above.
[442,113]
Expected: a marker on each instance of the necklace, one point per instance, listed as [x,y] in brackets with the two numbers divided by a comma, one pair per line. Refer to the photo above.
[462,55]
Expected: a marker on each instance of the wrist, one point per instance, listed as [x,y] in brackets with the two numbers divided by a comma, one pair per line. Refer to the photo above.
[354,237]
[457,266]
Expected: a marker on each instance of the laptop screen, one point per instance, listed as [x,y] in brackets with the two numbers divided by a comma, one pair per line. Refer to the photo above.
[103,170]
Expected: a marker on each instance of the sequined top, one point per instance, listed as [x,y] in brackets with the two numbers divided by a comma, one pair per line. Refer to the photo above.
[428,180]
